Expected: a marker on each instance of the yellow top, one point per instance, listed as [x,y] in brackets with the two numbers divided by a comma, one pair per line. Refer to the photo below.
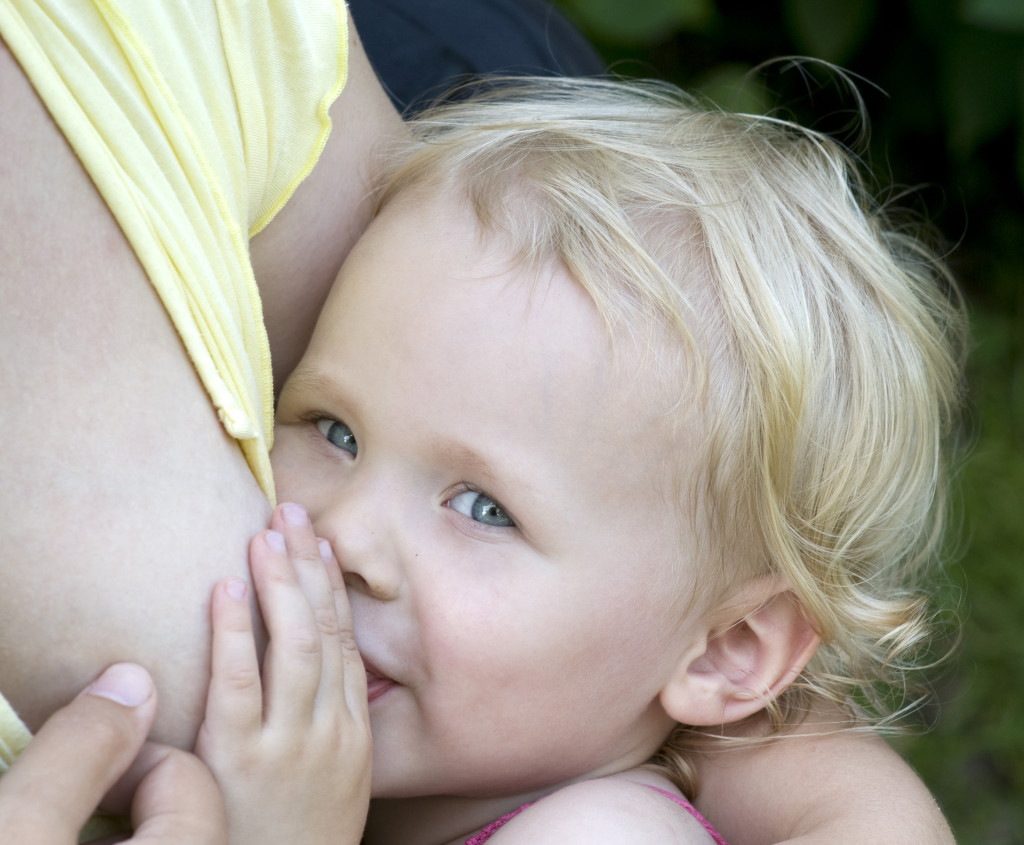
[196,121]
[14,736]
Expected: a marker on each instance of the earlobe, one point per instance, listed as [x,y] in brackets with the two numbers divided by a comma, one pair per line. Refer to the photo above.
[751,654]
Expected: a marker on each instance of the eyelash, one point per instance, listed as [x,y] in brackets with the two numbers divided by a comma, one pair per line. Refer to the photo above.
[311,418]
[470,488]
[314,417]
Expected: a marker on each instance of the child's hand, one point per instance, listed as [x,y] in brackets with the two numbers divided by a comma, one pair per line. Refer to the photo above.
[291,749]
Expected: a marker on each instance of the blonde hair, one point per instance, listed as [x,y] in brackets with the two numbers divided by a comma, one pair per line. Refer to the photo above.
[826,343]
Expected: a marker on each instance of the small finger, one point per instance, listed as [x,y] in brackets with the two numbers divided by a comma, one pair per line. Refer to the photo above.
[293,661]
[342,666]
[319,575]
[234,702]
[351,671]
[310,556]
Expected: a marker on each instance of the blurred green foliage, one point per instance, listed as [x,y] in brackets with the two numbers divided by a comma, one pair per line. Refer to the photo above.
[943,81]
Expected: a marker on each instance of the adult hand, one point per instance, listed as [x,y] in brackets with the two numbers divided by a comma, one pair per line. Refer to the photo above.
[92,744]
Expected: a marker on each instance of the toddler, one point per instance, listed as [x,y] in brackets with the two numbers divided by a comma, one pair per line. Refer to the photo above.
[626,422]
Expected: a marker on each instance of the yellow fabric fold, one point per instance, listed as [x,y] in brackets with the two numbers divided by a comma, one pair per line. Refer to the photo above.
[14,736]
[196,122]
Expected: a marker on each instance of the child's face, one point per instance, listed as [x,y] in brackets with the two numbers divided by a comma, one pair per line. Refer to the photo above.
[498,495]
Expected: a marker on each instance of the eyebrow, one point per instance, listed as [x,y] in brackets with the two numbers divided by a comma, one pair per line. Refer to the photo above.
[308,380]
[457,454]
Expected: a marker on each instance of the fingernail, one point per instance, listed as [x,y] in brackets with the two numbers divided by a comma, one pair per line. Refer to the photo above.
[235,588]
[275,540]
[124,683]
[293,514]
[325,551]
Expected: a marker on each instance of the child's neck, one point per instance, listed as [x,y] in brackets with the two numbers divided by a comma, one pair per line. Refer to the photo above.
[436,820]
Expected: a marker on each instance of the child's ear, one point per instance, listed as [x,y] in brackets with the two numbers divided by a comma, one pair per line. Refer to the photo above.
[753,652]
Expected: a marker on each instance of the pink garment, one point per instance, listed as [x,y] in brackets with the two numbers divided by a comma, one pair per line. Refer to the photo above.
[489,831]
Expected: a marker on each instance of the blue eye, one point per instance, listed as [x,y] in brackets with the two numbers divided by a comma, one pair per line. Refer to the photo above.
[338,434]
[481,508]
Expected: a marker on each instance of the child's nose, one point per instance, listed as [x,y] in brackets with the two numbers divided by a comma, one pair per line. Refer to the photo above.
[355,522]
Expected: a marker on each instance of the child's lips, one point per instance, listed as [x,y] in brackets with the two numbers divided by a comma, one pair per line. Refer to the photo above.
[376,683]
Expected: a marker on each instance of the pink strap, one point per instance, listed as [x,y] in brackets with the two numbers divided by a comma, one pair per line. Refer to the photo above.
[489,831]
[693,811]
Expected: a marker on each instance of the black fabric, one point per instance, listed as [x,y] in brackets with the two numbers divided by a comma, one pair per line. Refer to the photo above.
[421,48]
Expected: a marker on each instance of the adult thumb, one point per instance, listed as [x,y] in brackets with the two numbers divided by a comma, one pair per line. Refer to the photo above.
[79,753]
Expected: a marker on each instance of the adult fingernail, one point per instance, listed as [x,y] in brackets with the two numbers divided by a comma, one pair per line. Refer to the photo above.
[325,551]
[293,514]
[124,683]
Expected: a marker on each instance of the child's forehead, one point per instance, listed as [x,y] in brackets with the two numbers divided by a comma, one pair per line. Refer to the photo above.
[640,341]
[441,243]
[458,283]
[442,263]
